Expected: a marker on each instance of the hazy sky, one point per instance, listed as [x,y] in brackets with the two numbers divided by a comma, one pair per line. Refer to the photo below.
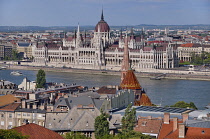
[116,12]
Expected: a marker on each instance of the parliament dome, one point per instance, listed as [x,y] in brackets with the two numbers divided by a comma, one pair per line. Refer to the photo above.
[104,27]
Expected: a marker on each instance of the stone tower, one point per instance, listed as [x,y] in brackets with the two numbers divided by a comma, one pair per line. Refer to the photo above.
[125,63]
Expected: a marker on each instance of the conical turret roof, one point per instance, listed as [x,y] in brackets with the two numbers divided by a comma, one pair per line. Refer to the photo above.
[130,81]
[144,100]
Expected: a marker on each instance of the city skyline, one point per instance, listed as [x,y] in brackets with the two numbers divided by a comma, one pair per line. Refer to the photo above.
[116,12]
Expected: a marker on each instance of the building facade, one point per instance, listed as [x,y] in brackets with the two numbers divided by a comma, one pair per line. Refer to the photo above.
[5,51]
[101,52]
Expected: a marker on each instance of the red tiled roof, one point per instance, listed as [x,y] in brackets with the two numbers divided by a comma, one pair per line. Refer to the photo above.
[35,131]
[147,125]
[187,45]
[166,129]
[106,90]
[7,99]
[196,36]
[10,107]
[144,100]
[130,81]
[192,133]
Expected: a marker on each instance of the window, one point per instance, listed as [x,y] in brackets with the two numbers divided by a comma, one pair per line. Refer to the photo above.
[10,123]
[10,115]
[28,114]
[24,114]
[2,122]
[144,123]
[2,115]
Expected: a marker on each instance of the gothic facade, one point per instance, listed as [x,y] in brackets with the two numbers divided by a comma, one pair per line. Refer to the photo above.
[100,52]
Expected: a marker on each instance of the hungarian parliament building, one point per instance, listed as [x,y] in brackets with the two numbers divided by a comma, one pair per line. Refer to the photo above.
[103,52]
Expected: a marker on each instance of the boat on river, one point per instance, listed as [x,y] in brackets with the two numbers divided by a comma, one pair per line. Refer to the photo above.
[3,68]
[155,78]
[16,73]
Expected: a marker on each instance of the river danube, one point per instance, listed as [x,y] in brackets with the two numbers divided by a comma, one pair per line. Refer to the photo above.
[161,92]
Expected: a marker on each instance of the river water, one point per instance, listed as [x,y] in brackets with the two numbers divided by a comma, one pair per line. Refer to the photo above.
[161,92]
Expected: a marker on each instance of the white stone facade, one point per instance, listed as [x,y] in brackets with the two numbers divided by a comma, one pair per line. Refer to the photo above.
[95,54]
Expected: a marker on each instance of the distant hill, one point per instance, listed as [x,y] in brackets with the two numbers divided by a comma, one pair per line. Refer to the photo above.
[72,28]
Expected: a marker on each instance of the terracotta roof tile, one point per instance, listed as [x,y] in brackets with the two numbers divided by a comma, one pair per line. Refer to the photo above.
[187,45]
[166,129]
[10,107]
[144,100]
[7,99]
[37,132]
[147,125]
[192,133]
[130,81]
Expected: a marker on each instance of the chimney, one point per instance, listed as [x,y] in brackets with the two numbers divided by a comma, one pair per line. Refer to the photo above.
[23,104]
[181,130]
[41,107]
[149,117]
[34,106]
[175,123]
[117,87]
[185,116]
[166,118]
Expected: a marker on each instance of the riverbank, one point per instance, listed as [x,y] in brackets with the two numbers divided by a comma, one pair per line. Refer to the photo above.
[168,74]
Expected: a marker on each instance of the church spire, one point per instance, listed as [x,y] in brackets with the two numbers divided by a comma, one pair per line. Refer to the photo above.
[102,15]
[78,31]
[125,64]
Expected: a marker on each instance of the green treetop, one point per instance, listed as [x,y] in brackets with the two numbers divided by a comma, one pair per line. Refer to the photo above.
[11,134]
[129,119]
[40,79]
[101,126]
[182,104]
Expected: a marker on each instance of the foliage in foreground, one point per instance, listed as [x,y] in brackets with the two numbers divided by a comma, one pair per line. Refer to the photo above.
[127,135]
[72,135]
[182,104]
[121,135]
[101,125]
[129,119]
[11,134]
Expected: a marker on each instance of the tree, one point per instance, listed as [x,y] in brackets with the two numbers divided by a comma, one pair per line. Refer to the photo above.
[15,55]
[182,104]
[131,135]
[72,135]
[40,79]
[199,59]
[129,119]
[101,125]
[11,134]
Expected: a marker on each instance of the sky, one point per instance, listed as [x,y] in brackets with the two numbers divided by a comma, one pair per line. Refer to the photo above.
[116,12]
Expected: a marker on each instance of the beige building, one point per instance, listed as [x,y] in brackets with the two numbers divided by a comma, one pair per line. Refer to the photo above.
[15,114]
[7,116]
[25,48]
[35,116]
